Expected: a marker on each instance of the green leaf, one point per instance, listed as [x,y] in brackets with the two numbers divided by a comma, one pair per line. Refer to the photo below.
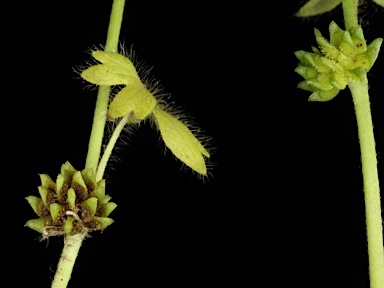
[180,140]
[108,74]
[317,7]
[115,70]
[379,2]
[116,59]
[134,98]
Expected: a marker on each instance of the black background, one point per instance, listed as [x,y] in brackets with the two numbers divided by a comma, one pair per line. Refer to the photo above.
[284,202]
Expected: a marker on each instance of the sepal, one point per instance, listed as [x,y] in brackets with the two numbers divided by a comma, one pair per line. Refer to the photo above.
[373,51]
[89,207]
[37,224]
[56,211]
[36,204]
[44,193]
[68,226]
[103,222]
[47,182]
[79,186]
[72,199]
[107,209]
[99,192]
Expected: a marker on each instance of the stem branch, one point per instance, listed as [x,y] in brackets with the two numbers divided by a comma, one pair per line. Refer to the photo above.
[360,98]
[109,148]
[102,101]
[350,13]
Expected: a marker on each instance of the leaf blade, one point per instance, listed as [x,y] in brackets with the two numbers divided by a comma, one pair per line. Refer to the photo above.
[134,98]
[181,141]
[317,7]
[379,2]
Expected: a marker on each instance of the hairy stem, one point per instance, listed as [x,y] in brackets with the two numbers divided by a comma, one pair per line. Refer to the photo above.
[72,243]
[373,219]
[360,98]
[350,13]
[110,146]
[100,114]
[67,260]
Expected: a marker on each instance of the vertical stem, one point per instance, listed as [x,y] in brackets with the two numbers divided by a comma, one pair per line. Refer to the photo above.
[114,25]
[100,114]
[360,98]
[350,13]
[72,243]
[67,260]
[97,133]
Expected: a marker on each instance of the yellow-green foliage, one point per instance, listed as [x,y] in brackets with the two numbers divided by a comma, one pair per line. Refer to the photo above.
[180,140]
[139,102]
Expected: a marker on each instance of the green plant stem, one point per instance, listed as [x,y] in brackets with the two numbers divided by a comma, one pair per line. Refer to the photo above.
[110,146]
[100,114]
[67,260]
[360,98]
[373,219]
[72,243]
[97,133]
[350,13]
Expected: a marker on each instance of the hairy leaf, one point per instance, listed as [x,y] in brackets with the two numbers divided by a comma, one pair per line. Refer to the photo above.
[379,2]
[135,99]
[317,7]
[180,140]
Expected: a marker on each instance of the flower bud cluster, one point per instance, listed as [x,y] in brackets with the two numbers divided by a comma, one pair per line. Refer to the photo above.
[73,204]
[329,68]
